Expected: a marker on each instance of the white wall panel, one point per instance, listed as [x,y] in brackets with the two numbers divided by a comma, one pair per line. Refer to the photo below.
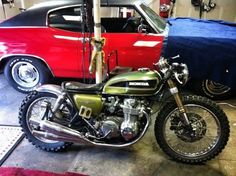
[224,10]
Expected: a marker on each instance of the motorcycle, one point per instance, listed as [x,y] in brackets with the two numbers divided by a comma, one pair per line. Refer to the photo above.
[188,128]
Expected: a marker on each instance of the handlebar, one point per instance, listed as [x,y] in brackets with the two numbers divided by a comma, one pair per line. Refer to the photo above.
[179,71]
[165,60]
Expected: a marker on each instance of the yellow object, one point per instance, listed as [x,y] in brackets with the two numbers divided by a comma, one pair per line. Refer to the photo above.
[98,45]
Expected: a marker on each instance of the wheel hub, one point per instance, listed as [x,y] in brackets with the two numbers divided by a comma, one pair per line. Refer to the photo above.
[191,133]
[25,74]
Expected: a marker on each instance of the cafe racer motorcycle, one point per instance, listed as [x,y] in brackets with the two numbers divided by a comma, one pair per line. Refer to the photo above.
[188,128]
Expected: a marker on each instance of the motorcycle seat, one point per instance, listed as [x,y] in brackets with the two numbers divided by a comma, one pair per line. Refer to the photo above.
[81,87]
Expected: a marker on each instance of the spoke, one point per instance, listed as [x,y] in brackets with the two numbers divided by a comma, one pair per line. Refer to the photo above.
[36,111]
[210,137]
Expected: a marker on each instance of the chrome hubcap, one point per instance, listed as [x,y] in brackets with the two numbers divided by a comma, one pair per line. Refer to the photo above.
[25,74]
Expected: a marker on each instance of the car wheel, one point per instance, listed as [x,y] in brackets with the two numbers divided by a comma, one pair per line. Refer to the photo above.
[213,90]
[26,73]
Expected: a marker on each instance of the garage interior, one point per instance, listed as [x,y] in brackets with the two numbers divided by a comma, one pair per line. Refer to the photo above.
[142,158]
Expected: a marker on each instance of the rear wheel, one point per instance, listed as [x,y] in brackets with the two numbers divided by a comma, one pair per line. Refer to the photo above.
[32,108]
[205,139]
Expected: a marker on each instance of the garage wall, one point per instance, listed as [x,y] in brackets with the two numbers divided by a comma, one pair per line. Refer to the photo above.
[224,10]
[12,11]
[9,11]
[29,3]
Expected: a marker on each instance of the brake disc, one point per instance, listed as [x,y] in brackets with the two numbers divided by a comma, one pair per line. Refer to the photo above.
[193,134]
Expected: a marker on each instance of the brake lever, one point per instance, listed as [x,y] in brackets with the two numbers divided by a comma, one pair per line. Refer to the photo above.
[167,59]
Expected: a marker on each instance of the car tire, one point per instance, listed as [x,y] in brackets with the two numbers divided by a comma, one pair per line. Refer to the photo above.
[213,90]
[26,73]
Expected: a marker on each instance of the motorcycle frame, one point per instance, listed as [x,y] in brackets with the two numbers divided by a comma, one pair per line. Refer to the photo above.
[63,94]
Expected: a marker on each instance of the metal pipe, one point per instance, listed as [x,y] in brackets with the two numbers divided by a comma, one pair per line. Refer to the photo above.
[51,136]
[97,36]
[22,4]
[54,131]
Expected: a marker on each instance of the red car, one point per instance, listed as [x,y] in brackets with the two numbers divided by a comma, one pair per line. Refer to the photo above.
[46,41]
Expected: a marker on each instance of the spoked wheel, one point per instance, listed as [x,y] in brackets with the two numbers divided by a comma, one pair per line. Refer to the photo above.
[33,107]
[202,140]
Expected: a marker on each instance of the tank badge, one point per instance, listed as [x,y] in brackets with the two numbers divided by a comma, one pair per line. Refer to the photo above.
[145,84]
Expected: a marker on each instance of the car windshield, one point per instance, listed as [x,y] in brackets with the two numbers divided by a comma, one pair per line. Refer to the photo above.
[159,23]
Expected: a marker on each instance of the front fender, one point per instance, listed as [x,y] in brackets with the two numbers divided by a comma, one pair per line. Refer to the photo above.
[50,88]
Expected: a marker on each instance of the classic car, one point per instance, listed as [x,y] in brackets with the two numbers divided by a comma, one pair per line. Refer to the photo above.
[47,41]
[51,40]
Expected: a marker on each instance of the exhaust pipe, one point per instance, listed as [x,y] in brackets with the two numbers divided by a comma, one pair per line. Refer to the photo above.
[51,136]
[57,132]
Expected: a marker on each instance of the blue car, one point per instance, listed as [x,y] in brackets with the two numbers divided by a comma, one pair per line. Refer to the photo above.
[208,47]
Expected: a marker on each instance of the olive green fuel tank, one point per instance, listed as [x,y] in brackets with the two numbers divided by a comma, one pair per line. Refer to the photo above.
[137,83]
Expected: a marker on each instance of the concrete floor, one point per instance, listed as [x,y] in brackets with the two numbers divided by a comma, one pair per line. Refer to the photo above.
[143,158]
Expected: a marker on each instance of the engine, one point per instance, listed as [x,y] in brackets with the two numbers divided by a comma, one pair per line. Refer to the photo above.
[130,125]
[127,123]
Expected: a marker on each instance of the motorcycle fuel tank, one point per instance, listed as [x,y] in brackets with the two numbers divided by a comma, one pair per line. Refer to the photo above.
[137,83]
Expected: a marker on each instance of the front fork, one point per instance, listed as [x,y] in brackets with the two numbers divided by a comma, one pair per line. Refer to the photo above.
[175,92]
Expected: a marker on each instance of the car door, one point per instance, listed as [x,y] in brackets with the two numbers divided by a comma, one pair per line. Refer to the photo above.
[66,47]
[133,48]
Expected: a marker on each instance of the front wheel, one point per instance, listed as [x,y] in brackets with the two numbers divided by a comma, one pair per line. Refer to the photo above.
[207,136]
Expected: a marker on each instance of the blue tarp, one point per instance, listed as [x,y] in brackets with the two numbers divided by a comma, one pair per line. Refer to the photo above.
[208,47]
